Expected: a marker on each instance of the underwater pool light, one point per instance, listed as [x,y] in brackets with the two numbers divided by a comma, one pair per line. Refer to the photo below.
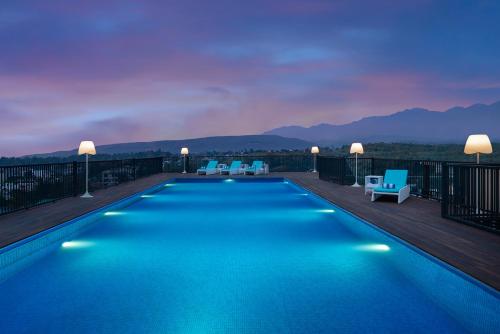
[374,248]
[229,180]
[147,196]
[114,213]
[326,210]
[77,244]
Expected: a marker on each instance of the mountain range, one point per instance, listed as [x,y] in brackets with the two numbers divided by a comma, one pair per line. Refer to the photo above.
[199,145]
[411,126]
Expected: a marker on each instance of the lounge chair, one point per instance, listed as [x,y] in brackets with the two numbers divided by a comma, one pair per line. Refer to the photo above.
[256,168]
[234,169]
[210,169]
[394,185]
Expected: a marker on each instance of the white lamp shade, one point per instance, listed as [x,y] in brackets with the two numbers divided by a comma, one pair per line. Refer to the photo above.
[184,151]
[357,148]
[478,144]
[86,147]
[315,150]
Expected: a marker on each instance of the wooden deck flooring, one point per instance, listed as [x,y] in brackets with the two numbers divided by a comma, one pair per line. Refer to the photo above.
[416,221]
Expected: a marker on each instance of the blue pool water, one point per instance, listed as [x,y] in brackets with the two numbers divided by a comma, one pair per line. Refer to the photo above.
[239,257]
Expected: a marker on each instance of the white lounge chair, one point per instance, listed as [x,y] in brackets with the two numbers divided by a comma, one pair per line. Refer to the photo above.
[256,168]
[210,169]
[234,169]
[396,178]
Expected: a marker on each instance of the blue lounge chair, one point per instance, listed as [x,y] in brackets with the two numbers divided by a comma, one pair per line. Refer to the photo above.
[394,185]
[234,169]
[256,168]
[210,169]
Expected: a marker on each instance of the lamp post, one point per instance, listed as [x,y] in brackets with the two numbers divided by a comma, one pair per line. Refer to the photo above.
[314,152]
[86,147]
[478,144]
[356,148]
[184,152]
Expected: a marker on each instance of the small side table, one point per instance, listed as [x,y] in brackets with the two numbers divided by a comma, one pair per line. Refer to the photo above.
[220,167]
[373,181]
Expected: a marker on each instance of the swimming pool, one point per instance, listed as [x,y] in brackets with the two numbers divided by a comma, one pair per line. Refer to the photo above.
[233,256]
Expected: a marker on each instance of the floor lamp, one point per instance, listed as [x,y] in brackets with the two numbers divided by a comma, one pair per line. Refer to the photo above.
[356,148]
[314,152]
[86,147]
[184,152]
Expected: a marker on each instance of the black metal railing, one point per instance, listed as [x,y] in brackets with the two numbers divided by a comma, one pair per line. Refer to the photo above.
[471,194]
[424,176]
[26,186]
[276,162]
[22,187]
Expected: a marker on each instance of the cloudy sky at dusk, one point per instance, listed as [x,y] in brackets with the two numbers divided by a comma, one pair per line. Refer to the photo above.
[119,71]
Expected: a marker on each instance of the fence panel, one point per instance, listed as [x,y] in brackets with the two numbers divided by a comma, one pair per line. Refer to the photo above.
[471,195]
[22,187]
[26,186]
[332,169]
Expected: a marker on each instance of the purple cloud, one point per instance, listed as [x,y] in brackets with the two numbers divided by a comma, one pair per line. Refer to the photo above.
[119,71]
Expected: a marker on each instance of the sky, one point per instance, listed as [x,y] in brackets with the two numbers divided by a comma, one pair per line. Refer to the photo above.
[122,71]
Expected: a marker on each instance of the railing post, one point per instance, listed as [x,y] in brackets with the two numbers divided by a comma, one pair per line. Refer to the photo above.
[133,168]
[426,180]
[343,163]
[372,169]
[445,188]
[74,171]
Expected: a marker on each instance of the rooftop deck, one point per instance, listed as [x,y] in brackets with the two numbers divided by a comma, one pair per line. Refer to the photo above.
[418,221]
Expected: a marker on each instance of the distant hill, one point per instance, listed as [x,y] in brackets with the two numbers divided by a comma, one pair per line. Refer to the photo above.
[199,145]
[411,126]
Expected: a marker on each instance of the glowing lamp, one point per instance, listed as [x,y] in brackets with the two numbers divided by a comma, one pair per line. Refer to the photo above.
[86,147]
[477,144]
[356,148]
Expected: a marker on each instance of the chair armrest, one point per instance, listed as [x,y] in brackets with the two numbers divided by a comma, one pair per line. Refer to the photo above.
[405,189]
[403,194]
